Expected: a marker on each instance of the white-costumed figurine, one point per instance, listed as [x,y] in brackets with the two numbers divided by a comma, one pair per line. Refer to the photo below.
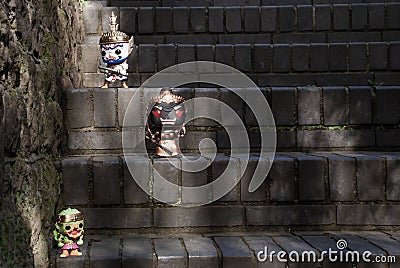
[115,48]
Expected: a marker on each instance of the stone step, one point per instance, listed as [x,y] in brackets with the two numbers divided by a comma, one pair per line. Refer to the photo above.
[301,249]
[322,189]
[322,64]
[332,21]
[305,117]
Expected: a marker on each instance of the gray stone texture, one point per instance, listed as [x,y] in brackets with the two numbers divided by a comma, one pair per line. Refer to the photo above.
[392,18]
[262,58]
[216,19]
[79,108]
[91,20]
[163,18]
[286,18]
[322,17]
[169,252]
[235,252]
[199,216]
[75,174]
[357,56]
[305,21]
[231,98]
[206,111]
[219,168]
[300,57]
[168,171]
[393,177]
[133,194]
[319,55]
[147,58]
[201,252]
[94,140]
[268,19]
[394,51]
[359,16]
[90,58]
[376,15]
[281,58]
[233,21]
[368,214]
[260,193]
[335,138]
[311,177]
[378,56]
[127,18]
[283,105]
[290,215]
[105,252]
[166,55]
[251,19]
[181,19]
[117,218]
[341,17]
[335,106]
[104,107]
[106,180]
[282,179]
[137,252]
[198,19]
[360,104]
[130,96]
[387,105]
[243,58]
[309,100]
[145,17]
[337,57]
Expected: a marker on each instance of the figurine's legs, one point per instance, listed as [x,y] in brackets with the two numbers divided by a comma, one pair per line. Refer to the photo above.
[75,252]
[124,84]
[106,83]
[64,253]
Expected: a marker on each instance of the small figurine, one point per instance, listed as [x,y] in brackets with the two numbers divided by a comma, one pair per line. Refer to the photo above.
[115,49]
[165,122]
[69,232]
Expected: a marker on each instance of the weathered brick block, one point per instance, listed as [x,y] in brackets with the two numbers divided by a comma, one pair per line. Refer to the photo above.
[251,93]
[258,243]
[378,56]
[94,140]
[305,21]
[394,52]
[392,15]
[78,108]
[233,19]
[90,58]
[75,175]
[163,19]
[194,173]
[357,56]
[220,167]
[207,111]
[341,17]
[199,216]
[388,137]
[311,177]
[216,19]
[91,20]
[223,54]
[335,138]
[186,53]
[131,96]
[260,193]
[118,218]
[286,139]
[105,253]
[335,106]
[169,169]
[376,16]
[147,58]
[234,251]
[322,17]
[262,58]
[198,19]
[282,179]
[169,252]
[393,177]
[290,215]
[104,107]
[286,18]
[251,19]
[309,99]
[205,53]
[281,58]
[201,252]
[146,20]
[192,140]
[181,19]
[368,214]
[133,64]
[268,19]
[166,56]
[137,252]
[319,57]
[360,101]
[127,19]
[283,105]
[106,180]
[243,57]
[295,244]
[338,57]
[300,57]
[231,98]
[133,194]
[359,16]
[387,105]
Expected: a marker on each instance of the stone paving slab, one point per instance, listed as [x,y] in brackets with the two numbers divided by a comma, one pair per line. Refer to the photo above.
[234,249]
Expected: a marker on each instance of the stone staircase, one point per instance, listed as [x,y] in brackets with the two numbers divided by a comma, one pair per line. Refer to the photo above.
[331,75]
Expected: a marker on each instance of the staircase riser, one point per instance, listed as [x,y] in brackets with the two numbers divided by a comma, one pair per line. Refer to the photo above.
[250,19]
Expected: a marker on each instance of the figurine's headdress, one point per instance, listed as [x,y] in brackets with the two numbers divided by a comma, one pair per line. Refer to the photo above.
[114,36]
[70,217]
[166,96]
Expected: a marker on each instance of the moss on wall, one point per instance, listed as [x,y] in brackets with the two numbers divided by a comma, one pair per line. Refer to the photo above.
[38,58]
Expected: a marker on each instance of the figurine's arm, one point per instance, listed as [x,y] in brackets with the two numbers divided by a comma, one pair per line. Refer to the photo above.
[80,241]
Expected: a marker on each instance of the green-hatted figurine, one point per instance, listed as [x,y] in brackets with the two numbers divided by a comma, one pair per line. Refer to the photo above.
[69,232]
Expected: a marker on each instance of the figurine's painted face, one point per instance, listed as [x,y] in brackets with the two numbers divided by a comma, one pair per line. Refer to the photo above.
[113,54]
[167,115]
[72,229]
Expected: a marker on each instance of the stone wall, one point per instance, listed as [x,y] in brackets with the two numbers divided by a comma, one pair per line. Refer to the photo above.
[38,58]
